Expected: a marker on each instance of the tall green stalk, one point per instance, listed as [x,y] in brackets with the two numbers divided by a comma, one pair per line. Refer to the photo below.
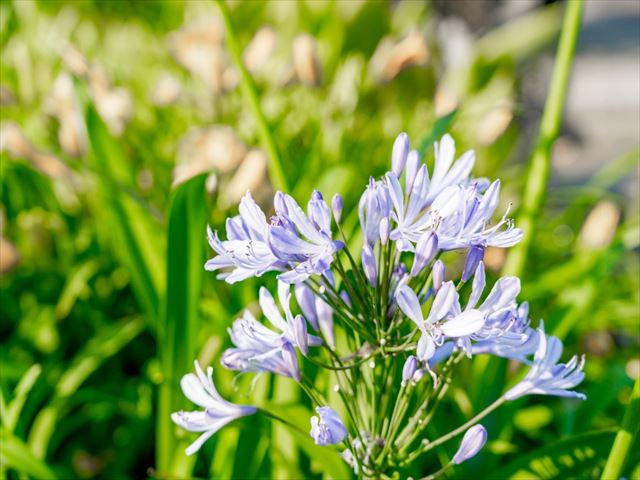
[249,90]
[624,437]
[536,184]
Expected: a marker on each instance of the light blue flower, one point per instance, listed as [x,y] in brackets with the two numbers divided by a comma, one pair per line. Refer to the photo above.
[246,252]
[443,320]
[217,411]
[302,240]
[374,205]
[547,376]
[261,349]
[472,442]
[328,429]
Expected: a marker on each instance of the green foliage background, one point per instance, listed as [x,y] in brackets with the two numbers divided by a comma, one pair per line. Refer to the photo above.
[109,304]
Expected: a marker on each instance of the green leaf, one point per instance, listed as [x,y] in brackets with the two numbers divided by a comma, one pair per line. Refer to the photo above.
[440,127]
[572,457]
[102,346]
[131,230]
[179,328]
[15,454]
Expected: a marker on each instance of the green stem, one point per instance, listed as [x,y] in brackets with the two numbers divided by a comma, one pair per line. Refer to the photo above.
[539,165]
[454,433]
[249,90]
[624,437]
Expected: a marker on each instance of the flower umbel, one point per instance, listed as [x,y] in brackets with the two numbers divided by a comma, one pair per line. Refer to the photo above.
[379,323]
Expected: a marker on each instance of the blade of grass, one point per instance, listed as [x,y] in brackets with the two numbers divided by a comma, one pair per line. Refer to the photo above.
[624,437]
[133,234]
[248,86]
[101,347]
[536,183]
[179,328]
[12,413]
[15,454]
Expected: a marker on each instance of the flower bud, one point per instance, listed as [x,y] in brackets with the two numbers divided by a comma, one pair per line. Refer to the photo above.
[417,376]
[425,250]
[384,230]
[307,303]
[345,297]
[291,360]
[409,369]
[399,153]
[413,164]
[300,334]
[336,205]
[472,442]
[474,257]
[438,274]
[369,265]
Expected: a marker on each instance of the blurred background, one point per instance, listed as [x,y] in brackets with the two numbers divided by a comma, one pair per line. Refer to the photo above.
[125,130]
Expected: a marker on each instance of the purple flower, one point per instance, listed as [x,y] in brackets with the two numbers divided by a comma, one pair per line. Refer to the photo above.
[328,429]
[425,250]
[374,205]
[260,349]
[438,271]
[474,257]
[217,411]
[399,153]
[472,442]
[440,323]
[385,229]
[547,376]
[316,311]
[409,369]
[303,241]
[336,206]
[506,330]
[245,253]
[463,218]
[369,265]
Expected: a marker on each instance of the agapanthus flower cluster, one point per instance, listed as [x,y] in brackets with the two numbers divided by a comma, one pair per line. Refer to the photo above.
[380,311]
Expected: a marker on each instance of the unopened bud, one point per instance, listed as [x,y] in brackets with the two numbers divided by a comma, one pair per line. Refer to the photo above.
[474,257]
[409,369]
[291,360]
[413,164]
[399,153]
[336,205]
[472,442]
[369,265]
[384,230]
[300,334]
[438,274]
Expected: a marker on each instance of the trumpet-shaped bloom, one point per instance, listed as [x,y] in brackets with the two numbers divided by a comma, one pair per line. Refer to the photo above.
[259,349]
[472,442]
[217,411]
[327,429]
[303,241]
[246,252]
[547,376]
[440,323]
